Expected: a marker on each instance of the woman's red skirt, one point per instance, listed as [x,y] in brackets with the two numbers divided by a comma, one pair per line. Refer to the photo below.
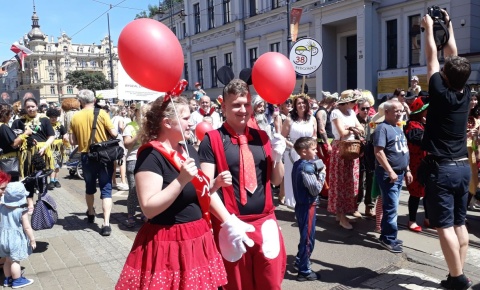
[181,256]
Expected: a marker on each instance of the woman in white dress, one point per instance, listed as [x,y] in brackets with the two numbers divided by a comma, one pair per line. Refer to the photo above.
[300,123]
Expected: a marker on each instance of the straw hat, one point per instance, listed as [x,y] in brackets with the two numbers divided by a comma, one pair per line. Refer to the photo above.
[368,95]
[349,96]
[328,96]
[15,194]
[379,117]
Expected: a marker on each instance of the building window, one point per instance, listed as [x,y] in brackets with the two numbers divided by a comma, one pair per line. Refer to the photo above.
[228,59]
[69,90]
[49,48]
[200,71]
[211,14]
[414,39]
[252,53]
[213,71]
[253,7]
[196,13]
[52,90]
[107,50]
[184,28]
[80,49]
[67,62]
[35,63]
[275,4]
[392,48]
[93,63]
[35,76]
[185,73]
[275,47]
[51,76]
[65,49]
[90,50]
[226,11]
[50,62]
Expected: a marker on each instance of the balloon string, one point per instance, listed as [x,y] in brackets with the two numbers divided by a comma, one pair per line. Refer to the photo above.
[181,130]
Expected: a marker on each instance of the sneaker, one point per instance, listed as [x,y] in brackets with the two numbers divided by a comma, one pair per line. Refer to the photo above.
[399,242]
[457,283]
[122,186]
[106,231]
[310,277]
[91,217]
[57,184]
[7,282]
[21,282]
[51,185]
[295,265]
[395,248]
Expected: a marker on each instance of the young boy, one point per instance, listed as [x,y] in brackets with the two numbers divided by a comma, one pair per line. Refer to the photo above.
[57,146]
[308,177]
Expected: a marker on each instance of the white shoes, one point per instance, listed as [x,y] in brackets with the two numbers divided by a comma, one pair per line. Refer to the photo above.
[122,186]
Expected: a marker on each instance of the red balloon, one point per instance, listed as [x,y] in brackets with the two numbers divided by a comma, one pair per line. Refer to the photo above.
[201,129]
[151,54]
[273,77]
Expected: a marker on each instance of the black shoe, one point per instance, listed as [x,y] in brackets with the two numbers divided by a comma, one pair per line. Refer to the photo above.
[91,217]
[51,185]
[57,184]
[456,283]
[106,231]
[310,277]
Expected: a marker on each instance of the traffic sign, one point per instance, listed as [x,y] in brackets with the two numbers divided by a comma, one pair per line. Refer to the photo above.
[306,56]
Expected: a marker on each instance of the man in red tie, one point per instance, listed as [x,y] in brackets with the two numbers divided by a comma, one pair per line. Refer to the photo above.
[254,162]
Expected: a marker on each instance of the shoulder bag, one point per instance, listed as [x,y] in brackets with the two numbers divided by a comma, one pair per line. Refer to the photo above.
[106,151]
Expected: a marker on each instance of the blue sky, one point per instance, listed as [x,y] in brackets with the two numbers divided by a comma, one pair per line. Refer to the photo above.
[69,16]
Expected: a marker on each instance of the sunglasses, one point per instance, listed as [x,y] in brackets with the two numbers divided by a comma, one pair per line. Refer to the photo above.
[402,95]
[365,108]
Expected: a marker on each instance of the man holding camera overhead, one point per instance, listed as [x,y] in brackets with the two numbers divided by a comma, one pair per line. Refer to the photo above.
[447,170]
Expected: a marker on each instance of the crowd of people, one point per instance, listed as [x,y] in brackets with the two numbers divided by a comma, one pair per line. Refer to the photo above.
[212,221]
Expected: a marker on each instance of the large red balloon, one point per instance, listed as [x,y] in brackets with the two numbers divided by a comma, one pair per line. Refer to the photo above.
[151,54]
[273,77]
[201,129]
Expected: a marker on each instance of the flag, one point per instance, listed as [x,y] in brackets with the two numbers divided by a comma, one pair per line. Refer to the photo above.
[20,53]
[295,16]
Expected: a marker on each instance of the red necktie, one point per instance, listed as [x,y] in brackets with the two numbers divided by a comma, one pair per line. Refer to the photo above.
[248,174]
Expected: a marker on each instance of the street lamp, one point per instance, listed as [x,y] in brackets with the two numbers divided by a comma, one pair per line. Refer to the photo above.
[110,52]
[56,70]
[289,36]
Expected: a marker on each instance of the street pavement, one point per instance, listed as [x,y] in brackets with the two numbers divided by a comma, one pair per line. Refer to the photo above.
[73,255]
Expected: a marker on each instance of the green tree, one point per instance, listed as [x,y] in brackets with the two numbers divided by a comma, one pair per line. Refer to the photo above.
[153,9]
[88,80]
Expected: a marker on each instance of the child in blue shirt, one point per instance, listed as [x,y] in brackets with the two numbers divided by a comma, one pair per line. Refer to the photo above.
[308,177]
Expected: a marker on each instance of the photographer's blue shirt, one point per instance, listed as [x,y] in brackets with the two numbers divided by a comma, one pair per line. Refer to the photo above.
[394,144]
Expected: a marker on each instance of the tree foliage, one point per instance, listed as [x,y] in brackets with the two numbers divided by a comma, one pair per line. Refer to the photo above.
[88,80]
[153,9]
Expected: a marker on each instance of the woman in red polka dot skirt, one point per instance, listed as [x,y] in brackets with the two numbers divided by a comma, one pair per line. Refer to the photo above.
[175,249]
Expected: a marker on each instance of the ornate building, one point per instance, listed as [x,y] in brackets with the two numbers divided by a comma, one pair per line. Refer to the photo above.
[369,44]
[47,67]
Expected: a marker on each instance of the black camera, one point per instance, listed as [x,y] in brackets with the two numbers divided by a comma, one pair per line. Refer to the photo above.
[435,13]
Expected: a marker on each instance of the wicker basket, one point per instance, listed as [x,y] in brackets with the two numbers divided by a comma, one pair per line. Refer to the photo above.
[349,149]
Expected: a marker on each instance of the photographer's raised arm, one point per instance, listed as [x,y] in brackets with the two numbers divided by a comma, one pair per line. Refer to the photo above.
[433,65]
[451,46]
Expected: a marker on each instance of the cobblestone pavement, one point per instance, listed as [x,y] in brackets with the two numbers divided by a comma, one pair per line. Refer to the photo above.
[73,255]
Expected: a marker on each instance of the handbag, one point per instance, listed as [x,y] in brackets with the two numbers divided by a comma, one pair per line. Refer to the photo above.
[349,149]
[106,151]
[44,214]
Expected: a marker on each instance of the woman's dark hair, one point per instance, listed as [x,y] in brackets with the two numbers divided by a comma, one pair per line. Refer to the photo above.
[294,113]
[397,92]
[38,162]
[475,112]
[52,112]
[5,111]
[30,100]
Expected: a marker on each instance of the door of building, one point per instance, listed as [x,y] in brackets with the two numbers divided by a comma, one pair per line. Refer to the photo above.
[351,62]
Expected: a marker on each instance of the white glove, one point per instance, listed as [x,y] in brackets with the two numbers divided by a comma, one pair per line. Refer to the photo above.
[278,147]
[231,237]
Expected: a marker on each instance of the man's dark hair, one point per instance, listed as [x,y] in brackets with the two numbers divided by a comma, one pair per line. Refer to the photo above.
[303,143]
[457,70]
[53,112]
